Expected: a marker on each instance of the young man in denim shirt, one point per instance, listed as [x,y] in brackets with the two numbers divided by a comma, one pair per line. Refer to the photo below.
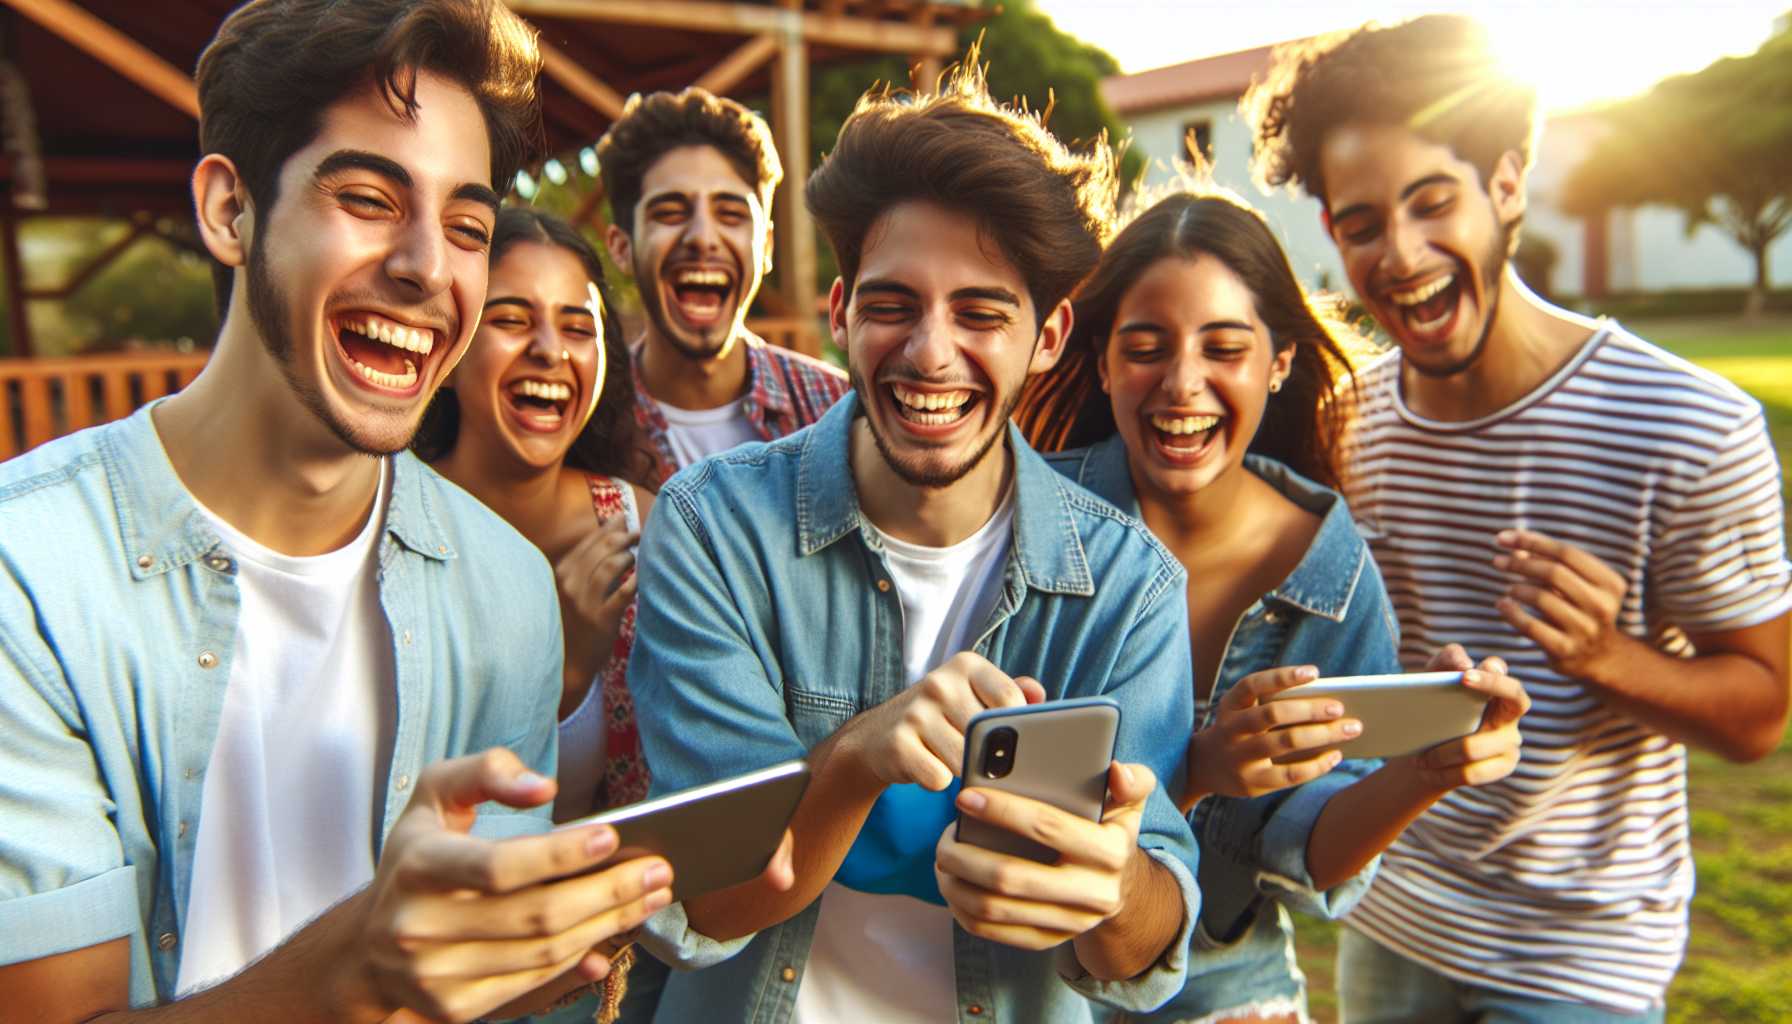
[856,592]
[237,628]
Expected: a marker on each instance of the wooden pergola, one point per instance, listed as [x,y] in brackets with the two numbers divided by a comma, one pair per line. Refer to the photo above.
[98,105]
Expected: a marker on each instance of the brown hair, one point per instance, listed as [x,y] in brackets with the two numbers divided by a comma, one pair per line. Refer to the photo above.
[1048,209]
[1302,426]
[275,66]
[652,126]
[609,444]
[1437,75]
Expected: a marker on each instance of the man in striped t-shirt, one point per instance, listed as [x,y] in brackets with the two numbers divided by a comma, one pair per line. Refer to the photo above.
[1545,488]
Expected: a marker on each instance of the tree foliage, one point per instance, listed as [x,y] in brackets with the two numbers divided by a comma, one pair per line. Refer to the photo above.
[1716,144]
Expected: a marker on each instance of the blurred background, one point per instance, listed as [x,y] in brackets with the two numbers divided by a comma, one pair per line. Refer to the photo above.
[1662,195]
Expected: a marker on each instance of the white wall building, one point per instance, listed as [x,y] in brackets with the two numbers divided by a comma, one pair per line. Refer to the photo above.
[1645,249]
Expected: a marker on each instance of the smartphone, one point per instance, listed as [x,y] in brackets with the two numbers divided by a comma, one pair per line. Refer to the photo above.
[714,836]
[1057,753]
[1402,713]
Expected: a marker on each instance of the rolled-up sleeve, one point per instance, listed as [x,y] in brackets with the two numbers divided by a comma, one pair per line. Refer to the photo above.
[1153,681]
[64,883]
[705,704]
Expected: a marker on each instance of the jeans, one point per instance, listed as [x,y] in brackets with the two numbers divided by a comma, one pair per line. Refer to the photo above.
[1377,986]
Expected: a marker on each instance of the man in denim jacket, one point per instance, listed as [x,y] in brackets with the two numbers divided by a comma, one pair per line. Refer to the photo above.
[239,629]
[855,592]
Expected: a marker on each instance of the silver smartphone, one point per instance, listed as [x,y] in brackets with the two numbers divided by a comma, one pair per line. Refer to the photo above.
[1057,753]
[714,836]
[1402,714]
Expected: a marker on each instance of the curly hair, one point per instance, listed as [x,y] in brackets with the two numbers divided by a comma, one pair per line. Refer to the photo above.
[1439,75]
[1048,209]
[609,444]
[653,125]
[1303,426]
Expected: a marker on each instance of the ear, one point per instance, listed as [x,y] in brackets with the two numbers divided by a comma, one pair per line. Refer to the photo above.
[1325,219]
[1506,187]
[1101,367]
[1054,334]
[837,313]
[621,249]
[1282,365]
[221,208]
[771,250]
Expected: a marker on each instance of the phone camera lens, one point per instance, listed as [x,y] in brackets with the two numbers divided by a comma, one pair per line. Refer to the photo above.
[998,752]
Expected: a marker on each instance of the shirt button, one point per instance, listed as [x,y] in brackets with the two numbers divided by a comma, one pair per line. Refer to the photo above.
[145,561]
[407,638]
[883,585]
[441,549]
[788,974]
[208,660]
[1272,617]
[181,830]
[974,1010]
[404,783]
[166,941]
[219,562]
[191,774]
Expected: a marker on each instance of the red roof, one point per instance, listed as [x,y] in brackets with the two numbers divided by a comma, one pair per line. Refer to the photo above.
[1223,77]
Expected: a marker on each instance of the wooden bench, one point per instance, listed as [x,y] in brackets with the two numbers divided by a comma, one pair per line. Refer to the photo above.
[43,399]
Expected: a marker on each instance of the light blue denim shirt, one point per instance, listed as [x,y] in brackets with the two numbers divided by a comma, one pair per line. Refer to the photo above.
[1332,611]
[767,621]
[118,612]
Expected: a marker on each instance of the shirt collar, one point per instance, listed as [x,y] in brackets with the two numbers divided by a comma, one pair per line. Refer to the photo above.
[765,386]
[1047,547]
[164,529]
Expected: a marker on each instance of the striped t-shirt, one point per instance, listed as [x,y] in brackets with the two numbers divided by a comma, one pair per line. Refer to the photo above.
[1569,880]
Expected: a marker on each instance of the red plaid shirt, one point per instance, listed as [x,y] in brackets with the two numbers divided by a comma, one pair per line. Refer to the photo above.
[786,391]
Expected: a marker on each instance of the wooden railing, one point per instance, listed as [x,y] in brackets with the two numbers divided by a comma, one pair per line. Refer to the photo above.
[41,399]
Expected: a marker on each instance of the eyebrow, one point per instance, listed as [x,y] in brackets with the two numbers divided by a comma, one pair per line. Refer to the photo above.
[1211,325]
[385,167]
[1439,178]
[517,300]
[675,196]
[885,286]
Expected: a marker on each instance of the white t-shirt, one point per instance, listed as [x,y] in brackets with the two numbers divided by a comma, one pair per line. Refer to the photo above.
[888,958]
[287,819]
[694,433]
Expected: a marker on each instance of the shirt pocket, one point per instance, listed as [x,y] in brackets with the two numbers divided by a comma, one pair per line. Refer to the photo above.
[816,716]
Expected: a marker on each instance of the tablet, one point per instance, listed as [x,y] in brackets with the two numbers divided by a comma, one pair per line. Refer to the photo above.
[714,836]
[1401,714]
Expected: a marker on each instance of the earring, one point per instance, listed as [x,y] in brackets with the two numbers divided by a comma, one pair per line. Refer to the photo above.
[1275,386]
[565,356]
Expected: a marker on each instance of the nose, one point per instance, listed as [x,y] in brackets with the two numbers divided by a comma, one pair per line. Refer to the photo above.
[930,348]
[544,344]
[701,232]
[419,259]
[1403,253]
[1185,377]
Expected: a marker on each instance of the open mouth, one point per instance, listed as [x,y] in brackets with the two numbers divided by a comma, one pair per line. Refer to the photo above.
[1185,437]
[700,295]
[383,352]
[1429,310]
[932,408]
[539,405]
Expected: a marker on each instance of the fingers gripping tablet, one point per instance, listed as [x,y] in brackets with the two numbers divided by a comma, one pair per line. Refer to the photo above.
[714,836]
[1402,714]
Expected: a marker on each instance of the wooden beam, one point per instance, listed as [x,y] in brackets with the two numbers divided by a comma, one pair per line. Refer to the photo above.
[114,49]
[19,321]
[847,33]
[795,228]
[581,83]
[140,226]
[733,69]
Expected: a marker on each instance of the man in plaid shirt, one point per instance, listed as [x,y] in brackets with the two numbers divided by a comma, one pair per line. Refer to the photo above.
[690,178]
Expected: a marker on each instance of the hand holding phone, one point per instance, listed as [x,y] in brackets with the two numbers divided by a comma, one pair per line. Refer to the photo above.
[1057,753]
[1261,741]
[1401,714]
[918,736]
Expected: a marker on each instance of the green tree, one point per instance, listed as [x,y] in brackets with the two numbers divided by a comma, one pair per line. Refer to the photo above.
[1716,144]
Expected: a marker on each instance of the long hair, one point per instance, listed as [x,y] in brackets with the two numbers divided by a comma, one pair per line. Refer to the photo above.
[609,444]
[1302,424]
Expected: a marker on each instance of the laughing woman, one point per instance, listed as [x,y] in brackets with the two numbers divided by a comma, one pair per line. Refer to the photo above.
[1196,391]
[537,422]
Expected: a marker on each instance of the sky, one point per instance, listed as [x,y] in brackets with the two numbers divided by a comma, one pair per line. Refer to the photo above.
[1577,51]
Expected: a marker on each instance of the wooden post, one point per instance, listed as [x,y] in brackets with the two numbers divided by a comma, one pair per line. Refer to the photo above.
[17,315]
[795,229]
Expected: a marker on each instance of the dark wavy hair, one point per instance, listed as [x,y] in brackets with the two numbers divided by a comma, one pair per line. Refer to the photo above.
[610,444]
[653,125]
[1047,208]
[1302,425]
[1437,75]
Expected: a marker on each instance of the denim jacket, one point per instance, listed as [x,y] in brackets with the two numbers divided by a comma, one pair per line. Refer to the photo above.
[767,620]
[1332,611]
[118,614]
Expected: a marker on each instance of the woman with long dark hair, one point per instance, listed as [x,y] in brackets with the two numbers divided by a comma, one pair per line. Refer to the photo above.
[1201,390]
[537,422]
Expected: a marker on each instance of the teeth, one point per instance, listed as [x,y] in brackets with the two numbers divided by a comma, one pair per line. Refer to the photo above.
[396,381]
[1423,292]
[1184,424]
[714,278]
[399,336]
[542,389]
[925,401]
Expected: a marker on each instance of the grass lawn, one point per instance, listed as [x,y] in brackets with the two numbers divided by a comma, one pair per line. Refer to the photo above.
[1738,966]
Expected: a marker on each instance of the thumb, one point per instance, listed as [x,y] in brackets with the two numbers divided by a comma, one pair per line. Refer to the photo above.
[1450,658]
[1129,784]
[456,786]
[1030,688]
